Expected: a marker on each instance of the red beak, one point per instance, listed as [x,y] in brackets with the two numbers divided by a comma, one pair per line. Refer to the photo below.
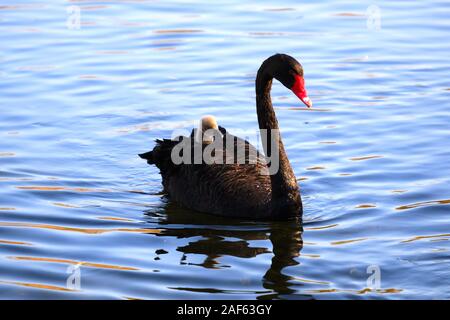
[299,89]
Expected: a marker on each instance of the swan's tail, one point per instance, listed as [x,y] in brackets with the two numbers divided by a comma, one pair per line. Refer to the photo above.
[147,156]
[161,154]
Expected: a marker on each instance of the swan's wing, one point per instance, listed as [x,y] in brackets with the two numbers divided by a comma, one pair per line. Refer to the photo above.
[228,188]
[242,151]
[222,130]
[222,189]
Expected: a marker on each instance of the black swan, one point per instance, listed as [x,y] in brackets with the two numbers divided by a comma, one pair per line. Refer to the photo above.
[236,189]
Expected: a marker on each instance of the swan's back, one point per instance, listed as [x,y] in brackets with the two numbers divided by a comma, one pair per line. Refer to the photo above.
[238,187]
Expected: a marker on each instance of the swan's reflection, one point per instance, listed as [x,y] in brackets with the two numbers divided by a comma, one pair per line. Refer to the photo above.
[287,242]
[228,237]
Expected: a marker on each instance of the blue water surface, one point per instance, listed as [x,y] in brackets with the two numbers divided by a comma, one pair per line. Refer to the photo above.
[82,217]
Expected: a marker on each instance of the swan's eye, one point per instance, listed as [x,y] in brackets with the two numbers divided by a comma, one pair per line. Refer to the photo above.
[300,91]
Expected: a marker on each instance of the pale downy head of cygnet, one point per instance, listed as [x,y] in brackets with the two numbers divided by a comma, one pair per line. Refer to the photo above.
[207,129]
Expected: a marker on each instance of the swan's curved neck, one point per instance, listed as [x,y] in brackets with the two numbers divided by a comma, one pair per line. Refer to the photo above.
[285,192]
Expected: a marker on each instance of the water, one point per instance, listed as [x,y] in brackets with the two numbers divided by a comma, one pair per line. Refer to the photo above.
[372,157]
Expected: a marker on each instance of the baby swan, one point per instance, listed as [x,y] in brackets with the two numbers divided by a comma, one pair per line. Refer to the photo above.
[207,128]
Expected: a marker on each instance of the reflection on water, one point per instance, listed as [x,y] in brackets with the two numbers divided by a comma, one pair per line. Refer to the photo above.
[81,230]
[286,245]
[82,263]
[371,157]
[424,204]
[36,286]
[216,238]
